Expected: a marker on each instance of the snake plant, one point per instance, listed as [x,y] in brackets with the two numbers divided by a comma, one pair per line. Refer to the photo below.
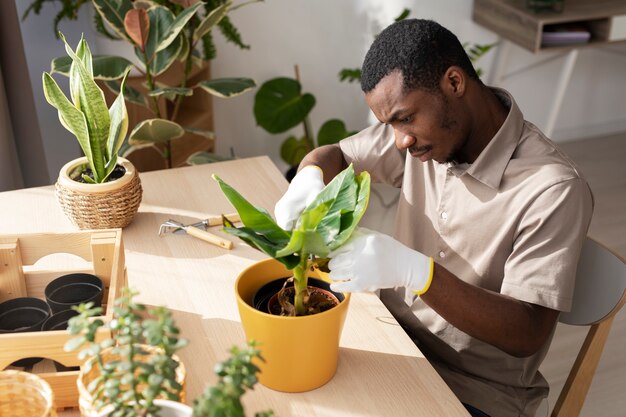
[100,131]
[323,226]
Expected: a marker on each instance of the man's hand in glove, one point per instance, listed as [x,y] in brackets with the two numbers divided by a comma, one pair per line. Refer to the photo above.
[371,260]
[303,189]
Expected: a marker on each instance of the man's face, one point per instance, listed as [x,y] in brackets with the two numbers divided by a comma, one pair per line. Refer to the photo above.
[423,121]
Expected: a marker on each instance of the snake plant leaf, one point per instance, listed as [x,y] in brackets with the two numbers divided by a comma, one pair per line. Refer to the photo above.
[131,94]
[170,93]
[280,105]
[332,131]
[71,118]
[137,26]
[227,87]
[211,19]
[293,150]
[253,217]
[169,33]
[92,104]
[113,12]
[155,131]
[160,18]
[118,129]
[105,67]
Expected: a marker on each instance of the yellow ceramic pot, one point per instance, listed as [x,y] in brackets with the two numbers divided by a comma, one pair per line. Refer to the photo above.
[300,352]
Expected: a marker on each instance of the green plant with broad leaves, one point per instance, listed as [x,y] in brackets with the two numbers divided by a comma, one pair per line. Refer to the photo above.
[100,131]
[131,381]
[323,226]
[162,34]
[236,375]
[280,105]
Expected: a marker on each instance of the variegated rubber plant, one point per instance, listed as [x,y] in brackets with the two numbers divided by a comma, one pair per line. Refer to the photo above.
[100,131]
[162,36]
[323,226]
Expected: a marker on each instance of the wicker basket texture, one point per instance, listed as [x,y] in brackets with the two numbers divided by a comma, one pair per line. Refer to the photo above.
[101,210]
[23,394]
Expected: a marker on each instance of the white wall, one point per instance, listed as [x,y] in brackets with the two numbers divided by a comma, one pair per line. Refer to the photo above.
[323,36]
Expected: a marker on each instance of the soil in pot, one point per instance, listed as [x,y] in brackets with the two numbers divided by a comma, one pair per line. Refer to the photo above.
[73,289]
[276,297]
[58,321]
[24,314]
[77,175]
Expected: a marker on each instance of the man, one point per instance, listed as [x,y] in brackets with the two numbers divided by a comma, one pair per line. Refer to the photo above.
[490,221]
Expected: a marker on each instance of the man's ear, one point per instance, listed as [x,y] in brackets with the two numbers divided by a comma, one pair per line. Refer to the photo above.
[454,81]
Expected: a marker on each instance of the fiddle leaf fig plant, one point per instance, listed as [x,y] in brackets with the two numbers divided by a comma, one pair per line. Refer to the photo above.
[100,131]
[323,226]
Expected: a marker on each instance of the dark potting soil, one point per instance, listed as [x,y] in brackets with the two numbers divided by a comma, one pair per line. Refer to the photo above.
[118,172]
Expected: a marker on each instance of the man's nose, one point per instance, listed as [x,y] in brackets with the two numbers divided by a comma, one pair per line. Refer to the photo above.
[404,140]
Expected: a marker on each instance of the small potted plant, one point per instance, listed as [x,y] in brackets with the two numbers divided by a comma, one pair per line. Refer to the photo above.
[99,190]
[129,373]
[137,374]
[301,351]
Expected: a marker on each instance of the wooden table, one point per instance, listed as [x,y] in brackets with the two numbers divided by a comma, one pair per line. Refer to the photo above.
[380,373]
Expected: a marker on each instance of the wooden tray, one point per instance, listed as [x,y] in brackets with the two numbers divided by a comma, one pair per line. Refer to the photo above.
[28,262]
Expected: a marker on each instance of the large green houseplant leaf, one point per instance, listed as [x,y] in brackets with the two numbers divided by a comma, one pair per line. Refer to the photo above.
[323,226]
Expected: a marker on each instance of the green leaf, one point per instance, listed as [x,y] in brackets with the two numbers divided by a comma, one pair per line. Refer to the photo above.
[118,129]
[200,158]
[113,12]
[170,93]
[92,104]
[160,18]
[280,105]
[350,75]
[332,131]
[105,67]
[170,32]
[262,243]
[71,118]
[293,150]
[349,221]
[211,20]
[155,131]
[227,87]
[209,134]
[130,94]
[255,218]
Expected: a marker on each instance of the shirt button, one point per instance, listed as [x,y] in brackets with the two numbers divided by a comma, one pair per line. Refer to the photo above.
[444,215]
[442,254]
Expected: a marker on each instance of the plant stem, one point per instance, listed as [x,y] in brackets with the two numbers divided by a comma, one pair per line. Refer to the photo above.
[306,124]
[300,284]
[155,109]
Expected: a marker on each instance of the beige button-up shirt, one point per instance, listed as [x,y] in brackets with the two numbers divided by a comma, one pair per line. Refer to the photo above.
[513,222]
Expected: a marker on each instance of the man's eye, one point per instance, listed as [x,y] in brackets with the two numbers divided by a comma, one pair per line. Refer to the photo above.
[407,119]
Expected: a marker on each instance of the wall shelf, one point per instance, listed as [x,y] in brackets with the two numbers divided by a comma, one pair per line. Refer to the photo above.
[513,20]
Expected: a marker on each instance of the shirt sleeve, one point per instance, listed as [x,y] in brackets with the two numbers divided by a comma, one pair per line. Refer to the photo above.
[542,266]
[374,150]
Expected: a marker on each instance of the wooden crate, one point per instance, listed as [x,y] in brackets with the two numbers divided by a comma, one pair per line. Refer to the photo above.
[28,262]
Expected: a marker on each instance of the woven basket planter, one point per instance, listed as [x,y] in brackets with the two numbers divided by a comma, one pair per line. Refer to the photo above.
[23,394]
[86,400]
[108,205]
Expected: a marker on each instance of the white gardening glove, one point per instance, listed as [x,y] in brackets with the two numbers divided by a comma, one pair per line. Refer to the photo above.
[371,260]
[303,189]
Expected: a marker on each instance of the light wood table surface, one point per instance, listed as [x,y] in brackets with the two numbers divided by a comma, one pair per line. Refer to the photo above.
[381,372]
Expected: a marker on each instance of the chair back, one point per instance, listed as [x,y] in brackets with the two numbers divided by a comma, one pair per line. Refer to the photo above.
[599,294]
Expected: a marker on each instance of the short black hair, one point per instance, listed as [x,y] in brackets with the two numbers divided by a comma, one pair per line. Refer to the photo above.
[421,49]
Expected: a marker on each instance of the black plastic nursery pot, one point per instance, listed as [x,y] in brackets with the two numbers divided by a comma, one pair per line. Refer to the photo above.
[263,296]
[73,289]
[59,321]
[24,314]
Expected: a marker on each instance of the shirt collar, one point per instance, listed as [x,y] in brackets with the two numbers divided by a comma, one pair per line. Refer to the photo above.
[489,167]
